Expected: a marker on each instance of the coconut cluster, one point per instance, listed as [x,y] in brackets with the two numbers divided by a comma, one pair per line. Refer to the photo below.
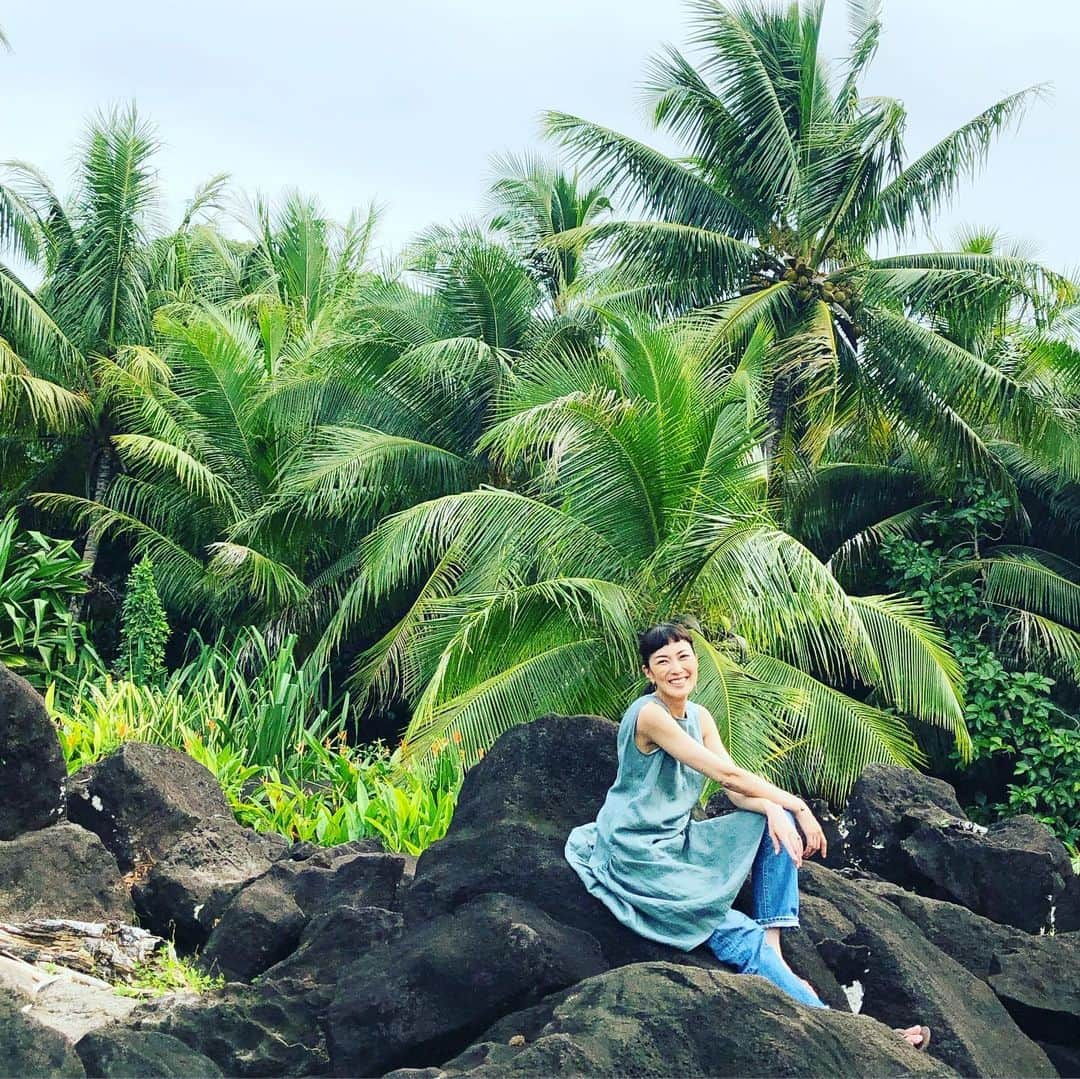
[812,285]
[809,285]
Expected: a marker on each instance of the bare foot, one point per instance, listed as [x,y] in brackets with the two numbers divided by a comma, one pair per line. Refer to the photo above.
[912,1035]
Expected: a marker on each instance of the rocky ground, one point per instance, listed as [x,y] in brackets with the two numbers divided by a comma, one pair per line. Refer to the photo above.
[491,959]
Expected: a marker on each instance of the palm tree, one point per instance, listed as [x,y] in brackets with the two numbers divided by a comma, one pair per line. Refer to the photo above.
[31,408]
[789,183]
[646,496]
[849,507]
[204,429]
[533,202]
[98,293]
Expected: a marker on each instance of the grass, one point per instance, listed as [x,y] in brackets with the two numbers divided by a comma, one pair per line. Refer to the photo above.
[168,973]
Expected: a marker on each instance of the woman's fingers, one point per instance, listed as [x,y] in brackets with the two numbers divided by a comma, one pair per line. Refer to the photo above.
[793,845]
[815,836]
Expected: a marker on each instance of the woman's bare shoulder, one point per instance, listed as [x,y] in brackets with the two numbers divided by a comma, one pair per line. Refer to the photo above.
[650,714]
[652,711]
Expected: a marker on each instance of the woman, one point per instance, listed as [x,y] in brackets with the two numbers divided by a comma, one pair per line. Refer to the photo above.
[673,879]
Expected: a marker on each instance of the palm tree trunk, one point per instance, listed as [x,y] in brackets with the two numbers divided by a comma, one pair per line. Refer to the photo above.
[103,467]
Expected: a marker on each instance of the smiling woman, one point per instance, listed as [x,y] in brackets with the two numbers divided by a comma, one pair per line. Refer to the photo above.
[673,879]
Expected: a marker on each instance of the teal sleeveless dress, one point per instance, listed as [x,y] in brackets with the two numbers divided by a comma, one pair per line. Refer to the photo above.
[665,876]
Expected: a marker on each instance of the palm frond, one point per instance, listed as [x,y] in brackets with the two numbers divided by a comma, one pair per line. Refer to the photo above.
[650,182]
[144,451]
[924,186]
[272,583]
[770,590]
[864,22]
[836,736]
[353,469]
[919,675]
[1028,584]
[684,264]
[36,404]
[181,577]
[744,707]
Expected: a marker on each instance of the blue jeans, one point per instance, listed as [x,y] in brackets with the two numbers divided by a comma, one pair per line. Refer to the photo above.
[739,941]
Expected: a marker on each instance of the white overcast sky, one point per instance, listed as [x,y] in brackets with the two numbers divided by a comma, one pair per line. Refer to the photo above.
[405,102]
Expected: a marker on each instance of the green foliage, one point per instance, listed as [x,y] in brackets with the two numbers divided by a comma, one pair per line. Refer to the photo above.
[144,629]
[40,637]
[642,494]
[167,972]
[350,798]
[1010,714]
[252,716]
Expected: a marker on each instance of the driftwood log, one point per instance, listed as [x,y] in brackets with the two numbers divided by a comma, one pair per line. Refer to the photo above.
[108,950]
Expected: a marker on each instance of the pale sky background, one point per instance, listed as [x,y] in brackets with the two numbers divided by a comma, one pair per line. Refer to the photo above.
[406,102]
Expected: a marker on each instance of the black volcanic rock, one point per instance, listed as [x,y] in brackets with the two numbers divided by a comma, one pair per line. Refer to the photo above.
[32,768]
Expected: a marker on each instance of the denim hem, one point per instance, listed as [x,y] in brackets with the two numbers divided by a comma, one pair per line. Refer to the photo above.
[778,923]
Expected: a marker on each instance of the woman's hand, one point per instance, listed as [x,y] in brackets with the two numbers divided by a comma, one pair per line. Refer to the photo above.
[815,837]
[783,833]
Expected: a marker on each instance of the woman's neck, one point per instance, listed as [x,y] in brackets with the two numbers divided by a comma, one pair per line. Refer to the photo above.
[675,705]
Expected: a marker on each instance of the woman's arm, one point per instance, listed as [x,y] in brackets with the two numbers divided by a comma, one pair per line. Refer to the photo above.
[754,805]
[760,800]
[658,726]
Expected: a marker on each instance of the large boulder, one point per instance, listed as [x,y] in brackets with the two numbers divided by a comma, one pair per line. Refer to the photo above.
[61,872]
[425,996]
[664,1019]
[276,1027]
[29,1049]
[260,927]
[899,977]
[537,782]
[187,891]
[120,1053]
[1013,873]
[517,806]
[1037,978]
[263,922]
[1067,912]
[142,798]
[910,829]
[887,803]
[32,768]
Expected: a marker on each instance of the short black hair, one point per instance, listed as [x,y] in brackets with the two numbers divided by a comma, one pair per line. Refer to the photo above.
[655,637]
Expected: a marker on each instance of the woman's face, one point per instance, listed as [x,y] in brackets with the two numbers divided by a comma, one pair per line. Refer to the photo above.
[673,669]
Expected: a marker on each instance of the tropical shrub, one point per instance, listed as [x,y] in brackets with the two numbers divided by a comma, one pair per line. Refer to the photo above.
[144,629]
[252,716]
[1025,746]
[40,636]
[354,798]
